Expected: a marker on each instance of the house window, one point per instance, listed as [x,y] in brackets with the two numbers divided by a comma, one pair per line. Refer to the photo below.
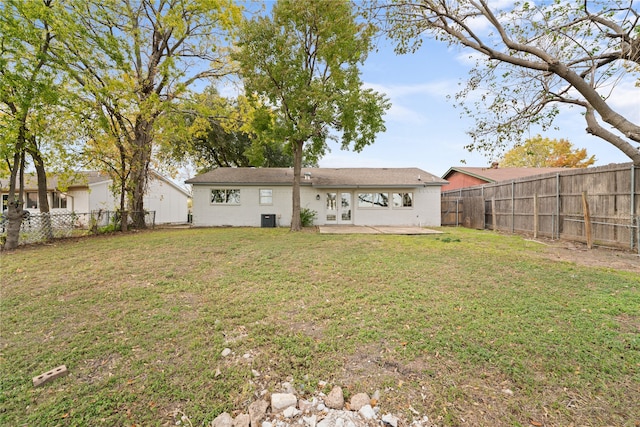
[373,200]
[5,202]
[58,200]
[266,196]
[32,200]
[225,196]
[402,200]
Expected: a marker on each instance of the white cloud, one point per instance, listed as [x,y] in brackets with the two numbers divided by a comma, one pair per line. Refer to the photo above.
[436,89]
[625,99]
[402,114]
[469,57]
[407,101]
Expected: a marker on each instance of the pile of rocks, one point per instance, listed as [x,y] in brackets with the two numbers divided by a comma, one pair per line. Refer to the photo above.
[330,410]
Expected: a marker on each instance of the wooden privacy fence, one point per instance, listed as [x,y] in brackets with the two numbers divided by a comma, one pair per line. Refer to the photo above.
[598,205]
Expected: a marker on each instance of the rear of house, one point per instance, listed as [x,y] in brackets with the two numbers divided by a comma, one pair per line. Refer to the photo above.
[255,197]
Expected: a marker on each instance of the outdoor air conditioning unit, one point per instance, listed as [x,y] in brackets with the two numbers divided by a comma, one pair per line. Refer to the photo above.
[268,220]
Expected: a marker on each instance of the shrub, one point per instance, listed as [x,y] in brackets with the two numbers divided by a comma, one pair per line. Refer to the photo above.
[307,216]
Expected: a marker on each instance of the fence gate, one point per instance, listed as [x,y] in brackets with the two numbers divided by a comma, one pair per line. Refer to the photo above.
[451,211]
[473,213]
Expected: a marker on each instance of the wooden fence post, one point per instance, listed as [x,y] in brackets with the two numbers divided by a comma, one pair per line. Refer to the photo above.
[536,224]
[587,220]
[494,220]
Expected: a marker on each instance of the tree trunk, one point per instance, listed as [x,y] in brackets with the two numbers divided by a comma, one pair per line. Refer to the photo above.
[139,171]
[15,213]
[296,223]
[14,222]
[124,216]
[43,200]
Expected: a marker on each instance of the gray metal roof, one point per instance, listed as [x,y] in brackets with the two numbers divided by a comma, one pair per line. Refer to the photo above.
[321,177]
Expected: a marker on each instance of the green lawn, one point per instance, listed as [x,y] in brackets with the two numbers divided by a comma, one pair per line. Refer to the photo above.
[469,327]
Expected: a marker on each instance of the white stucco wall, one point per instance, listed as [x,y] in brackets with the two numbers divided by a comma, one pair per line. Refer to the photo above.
[78,200]
[425,210]
[249,212]
[100,197]
[169,203]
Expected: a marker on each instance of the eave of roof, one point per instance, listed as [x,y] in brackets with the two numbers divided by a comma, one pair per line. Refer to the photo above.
[491,175]
[321,177]
[157,176]
[466,172]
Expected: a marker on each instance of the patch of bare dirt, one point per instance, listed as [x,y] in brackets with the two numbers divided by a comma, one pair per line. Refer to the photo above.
[598,256]
[452,395]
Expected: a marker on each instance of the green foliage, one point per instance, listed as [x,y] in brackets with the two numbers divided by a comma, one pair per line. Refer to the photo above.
[448,239]
[307,216]
[133,61]
[32,95]
[210,131]
[539,152]
[303,61]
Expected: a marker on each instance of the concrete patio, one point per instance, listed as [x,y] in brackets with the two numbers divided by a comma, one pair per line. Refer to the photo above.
[357,229]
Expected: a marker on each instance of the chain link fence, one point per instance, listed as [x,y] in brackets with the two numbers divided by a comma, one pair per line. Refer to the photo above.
[43,227]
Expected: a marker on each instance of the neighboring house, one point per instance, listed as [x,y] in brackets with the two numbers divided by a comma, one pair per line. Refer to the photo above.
[463,177]
[91,191]
[257,197]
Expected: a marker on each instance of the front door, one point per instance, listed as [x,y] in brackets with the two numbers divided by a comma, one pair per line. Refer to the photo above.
[338,208]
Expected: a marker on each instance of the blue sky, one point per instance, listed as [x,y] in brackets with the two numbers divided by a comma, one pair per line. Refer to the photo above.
[425,130]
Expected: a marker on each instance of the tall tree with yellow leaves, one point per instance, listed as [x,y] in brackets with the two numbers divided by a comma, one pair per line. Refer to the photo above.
[540,152]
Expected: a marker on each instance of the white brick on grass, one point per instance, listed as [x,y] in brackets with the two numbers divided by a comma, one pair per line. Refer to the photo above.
[60,371]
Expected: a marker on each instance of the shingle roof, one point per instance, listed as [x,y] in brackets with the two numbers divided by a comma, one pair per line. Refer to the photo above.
[80,179]
[321,177]
[500,174]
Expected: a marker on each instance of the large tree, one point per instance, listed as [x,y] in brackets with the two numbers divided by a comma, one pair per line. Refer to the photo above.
[208,131]
[29,90]
[539,152]
[133,59]
[303,61]
[534,56]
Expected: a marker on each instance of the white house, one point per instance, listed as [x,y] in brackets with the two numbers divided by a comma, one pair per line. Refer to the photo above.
[91,191]
[255,197]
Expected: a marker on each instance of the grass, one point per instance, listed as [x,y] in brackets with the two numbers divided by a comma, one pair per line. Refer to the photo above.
[448,326]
